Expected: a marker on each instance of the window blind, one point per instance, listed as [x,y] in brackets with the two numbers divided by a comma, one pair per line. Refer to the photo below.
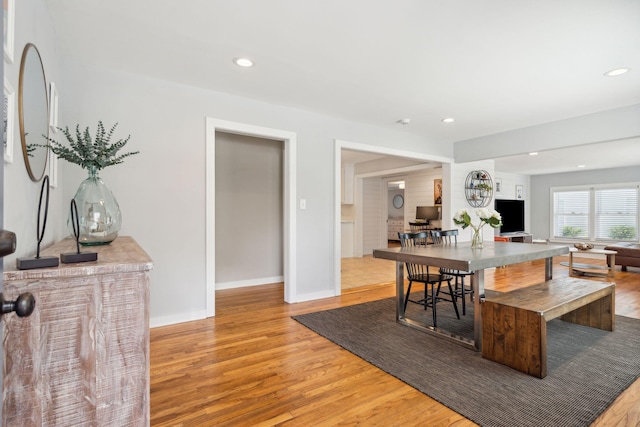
[571,214]
[596,213]
[616,213]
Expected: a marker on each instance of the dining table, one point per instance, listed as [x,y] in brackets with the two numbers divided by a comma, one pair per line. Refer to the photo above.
[462,256]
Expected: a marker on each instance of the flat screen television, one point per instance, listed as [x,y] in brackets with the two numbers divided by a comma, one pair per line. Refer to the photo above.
[512,212]
[427,213]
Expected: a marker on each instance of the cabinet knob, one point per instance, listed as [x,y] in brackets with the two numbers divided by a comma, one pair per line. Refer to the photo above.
[23,306]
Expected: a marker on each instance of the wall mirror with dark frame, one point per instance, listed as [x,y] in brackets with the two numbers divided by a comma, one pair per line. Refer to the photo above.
[33,112]
[398,201]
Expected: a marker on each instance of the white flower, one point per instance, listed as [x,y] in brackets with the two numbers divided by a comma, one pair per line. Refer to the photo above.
[487,216]
[483,213]
[459,216]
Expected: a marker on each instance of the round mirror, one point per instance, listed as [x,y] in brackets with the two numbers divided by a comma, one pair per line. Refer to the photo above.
[398,201]
[33,111]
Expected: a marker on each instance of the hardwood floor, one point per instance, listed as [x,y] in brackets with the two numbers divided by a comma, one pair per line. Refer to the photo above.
[365,271]
[252,365]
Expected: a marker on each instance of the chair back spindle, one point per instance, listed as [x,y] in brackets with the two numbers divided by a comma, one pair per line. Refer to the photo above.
[445,237]
[450,237]
[411,240]
[420,273]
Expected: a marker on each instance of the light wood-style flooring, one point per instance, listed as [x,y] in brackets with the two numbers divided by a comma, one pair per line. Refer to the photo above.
[252,365]
[366,271]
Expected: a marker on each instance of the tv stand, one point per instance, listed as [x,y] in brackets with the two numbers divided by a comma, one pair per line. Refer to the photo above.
[518,237]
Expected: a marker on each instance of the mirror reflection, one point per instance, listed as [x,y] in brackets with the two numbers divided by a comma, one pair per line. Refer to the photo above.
[33,110]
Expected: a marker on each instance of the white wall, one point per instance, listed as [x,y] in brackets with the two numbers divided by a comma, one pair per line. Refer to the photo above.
[21,195]
[162,190]
[392,211]
[611,125]
[455,191]
[166,123]
[249,211]
[419,192]
[372,218]
[541,191]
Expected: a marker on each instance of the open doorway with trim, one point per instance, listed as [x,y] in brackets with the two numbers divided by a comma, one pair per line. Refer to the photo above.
[366,223]
[287,141]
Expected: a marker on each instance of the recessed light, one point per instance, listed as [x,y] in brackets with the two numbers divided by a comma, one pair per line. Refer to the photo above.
[535,153]
[582,166]
[617,72]
[448,120]
[243,62]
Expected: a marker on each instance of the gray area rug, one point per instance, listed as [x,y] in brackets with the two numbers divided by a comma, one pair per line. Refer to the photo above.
[587,368]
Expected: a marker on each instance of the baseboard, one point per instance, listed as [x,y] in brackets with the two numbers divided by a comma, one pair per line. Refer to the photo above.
[157,321]
[315,296]
[250,282]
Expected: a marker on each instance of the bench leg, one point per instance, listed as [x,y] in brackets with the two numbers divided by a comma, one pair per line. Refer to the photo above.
[598,314]
[515,337]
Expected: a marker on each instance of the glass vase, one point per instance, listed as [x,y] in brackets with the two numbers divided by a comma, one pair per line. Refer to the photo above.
[99,214]
[476,238]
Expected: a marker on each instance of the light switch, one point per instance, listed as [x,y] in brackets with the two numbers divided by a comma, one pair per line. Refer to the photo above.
[303,203]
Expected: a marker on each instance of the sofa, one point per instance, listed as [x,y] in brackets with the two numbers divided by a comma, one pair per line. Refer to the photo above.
[627,254]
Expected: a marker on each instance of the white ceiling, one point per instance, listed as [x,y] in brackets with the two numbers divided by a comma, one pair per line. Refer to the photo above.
[493,65]
[591,156]
[605,155]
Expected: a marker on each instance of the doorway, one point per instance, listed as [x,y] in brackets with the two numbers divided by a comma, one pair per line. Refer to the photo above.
[425,160]
[249,217]
[395,210]
[288,140]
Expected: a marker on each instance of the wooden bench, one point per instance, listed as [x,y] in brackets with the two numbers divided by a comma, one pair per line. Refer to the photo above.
[514,324]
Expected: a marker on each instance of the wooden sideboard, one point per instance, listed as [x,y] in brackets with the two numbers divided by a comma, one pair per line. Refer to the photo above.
[82,357]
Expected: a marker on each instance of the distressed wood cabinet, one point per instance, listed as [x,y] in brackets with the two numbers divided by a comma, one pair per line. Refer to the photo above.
[82,357]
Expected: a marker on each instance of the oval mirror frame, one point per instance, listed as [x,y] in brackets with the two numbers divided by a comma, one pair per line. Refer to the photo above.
[33,112]
[398,201]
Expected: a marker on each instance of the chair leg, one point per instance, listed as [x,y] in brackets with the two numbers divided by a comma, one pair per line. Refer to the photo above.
[462,292]
[433,303]
[406,297]
[453,300]
[426,296]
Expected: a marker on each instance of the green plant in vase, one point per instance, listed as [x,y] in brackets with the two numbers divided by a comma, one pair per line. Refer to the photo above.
[99,214]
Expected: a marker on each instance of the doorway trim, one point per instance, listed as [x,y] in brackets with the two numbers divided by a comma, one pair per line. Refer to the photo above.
[289,201]
[385,206]
[337,162]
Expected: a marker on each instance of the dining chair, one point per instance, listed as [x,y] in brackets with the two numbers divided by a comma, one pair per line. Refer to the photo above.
[432,281]
[450,237]
[418,227]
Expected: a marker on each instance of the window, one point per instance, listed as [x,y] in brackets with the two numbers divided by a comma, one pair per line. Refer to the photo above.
[596,213]
[571,214]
